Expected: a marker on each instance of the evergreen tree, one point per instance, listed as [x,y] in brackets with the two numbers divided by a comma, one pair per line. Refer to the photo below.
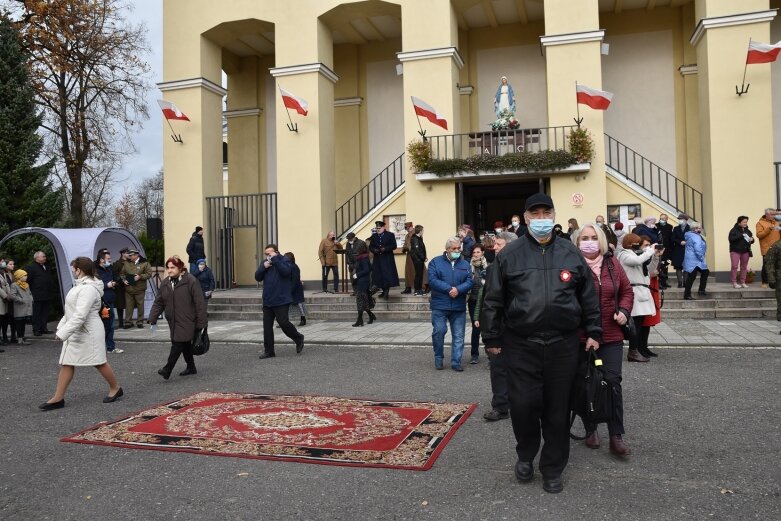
[26,194]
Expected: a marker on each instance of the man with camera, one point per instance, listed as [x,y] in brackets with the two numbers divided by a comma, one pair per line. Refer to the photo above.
[275,272]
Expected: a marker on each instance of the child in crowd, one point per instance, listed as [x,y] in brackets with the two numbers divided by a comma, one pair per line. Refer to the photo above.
[23,304]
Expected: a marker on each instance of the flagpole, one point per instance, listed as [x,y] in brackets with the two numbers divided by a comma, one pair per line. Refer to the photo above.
[176,137]
[743,86]
[578,120]
[421,131]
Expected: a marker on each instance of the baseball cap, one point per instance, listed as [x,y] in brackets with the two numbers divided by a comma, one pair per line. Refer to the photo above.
[538,200]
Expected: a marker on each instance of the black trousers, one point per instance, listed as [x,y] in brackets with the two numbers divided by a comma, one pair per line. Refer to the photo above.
[764,271]
[499,400]
[281,315]
[690,281]
[612,356]
[640,342]
[419,266]
[180,348]
[19,325]
[7,322]
[40,315]
[539,383]
[335,269]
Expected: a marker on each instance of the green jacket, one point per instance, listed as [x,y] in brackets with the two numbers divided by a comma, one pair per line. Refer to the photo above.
[128,272]
[773,263]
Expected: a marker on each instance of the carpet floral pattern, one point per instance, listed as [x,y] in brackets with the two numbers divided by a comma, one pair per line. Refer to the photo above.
[310,429]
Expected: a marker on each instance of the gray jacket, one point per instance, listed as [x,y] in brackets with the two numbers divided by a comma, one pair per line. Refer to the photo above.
[23,301]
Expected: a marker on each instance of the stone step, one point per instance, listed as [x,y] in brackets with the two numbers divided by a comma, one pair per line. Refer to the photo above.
[707,303]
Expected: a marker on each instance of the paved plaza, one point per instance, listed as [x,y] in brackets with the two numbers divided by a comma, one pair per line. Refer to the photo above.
[702,421]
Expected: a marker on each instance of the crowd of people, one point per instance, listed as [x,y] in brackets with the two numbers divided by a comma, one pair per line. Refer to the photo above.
[538,297]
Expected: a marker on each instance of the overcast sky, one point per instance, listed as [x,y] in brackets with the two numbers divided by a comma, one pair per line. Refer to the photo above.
[148,158]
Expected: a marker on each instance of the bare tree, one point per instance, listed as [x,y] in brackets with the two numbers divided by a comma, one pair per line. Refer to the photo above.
[126,213]
[91,80]
[149,196]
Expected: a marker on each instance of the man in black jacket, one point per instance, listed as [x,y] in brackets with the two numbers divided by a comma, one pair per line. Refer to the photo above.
[195,249]
[538,295]
[42,287]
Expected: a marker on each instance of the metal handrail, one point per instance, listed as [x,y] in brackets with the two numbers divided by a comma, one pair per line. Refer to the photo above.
[777,164]
[499,142]
[369,196]
[653,178]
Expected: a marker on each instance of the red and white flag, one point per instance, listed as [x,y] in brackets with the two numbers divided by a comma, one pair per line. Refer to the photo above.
[596,99]
[294,102]
[430,113]
[762,52]
[171,111]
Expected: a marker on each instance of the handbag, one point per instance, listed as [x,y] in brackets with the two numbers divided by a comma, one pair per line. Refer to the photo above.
[592,395]
[200,343]
[629,329]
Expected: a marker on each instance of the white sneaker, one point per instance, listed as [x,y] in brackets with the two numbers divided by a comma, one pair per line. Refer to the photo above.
[736,285]
[117,350]
[744,285]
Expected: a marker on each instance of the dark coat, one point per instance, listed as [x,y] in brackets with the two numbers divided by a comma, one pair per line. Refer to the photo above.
[737,242]
[277,281]
[40,281]
[665,236]
[678,251]
[384,273]
[195,248]
[363,272]
[106,275]
[444,275]
[205,279]
[350,251]
[298,286]
[417,249]
[467,245]
[119,289]
[642,229]
[184,306]
[535,290]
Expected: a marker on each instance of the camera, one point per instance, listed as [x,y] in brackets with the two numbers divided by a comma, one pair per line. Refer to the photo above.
[659,247]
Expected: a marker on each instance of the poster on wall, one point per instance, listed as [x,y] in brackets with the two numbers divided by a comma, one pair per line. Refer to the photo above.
[395,225]
[624,213]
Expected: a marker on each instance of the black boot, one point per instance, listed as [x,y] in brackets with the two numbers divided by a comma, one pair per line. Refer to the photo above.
[120,323]
[359,322]
[303,321]
[372,317]
[679,276]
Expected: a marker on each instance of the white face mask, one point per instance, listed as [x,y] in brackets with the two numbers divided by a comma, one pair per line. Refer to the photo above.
[498,230]
[516,223]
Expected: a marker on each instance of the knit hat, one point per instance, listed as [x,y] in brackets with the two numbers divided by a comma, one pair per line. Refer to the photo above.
[18,274]
[683,216]
[199,261]
[619,226]
[198,228]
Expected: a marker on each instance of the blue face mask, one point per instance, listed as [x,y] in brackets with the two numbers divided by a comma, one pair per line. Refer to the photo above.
[455,255]
[540,228]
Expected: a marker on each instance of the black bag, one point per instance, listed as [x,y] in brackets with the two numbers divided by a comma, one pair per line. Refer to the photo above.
[200,343]
[592,394]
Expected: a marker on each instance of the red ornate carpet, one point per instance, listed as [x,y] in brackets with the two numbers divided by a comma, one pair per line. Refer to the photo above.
[308,429]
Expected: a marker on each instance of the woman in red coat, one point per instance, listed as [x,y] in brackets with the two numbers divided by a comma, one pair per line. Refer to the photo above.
[607,273]
[653,285]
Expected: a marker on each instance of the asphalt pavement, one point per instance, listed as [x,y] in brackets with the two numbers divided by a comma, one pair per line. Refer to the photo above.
[702,423]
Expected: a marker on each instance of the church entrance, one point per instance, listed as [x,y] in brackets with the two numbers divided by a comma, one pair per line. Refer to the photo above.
[482,204]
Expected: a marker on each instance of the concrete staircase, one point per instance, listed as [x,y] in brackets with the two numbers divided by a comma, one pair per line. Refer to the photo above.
[723,302]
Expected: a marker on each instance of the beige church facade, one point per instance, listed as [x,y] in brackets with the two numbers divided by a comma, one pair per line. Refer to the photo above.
[676,136]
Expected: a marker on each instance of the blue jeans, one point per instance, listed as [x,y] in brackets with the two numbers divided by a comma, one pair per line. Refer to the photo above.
[440,319]
[108,325]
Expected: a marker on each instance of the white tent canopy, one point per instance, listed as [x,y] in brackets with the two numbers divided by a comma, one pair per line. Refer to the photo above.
[69,243]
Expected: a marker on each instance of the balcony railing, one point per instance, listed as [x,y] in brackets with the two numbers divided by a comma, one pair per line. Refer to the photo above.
[369,196]
[653,178]
[499,142]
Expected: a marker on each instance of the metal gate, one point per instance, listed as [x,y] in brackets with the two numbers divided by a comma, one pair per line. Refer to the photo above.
[229,213]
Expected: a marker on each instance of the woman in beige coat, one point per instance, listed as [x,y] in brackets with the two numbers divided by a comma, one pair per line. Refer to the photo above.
[82,334]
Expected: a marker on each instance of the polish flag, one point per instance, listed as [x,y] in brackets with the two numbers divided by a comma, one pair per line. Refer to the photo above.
[596,99]
[762,52]
[171,111]
[430,113]
[294,102]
